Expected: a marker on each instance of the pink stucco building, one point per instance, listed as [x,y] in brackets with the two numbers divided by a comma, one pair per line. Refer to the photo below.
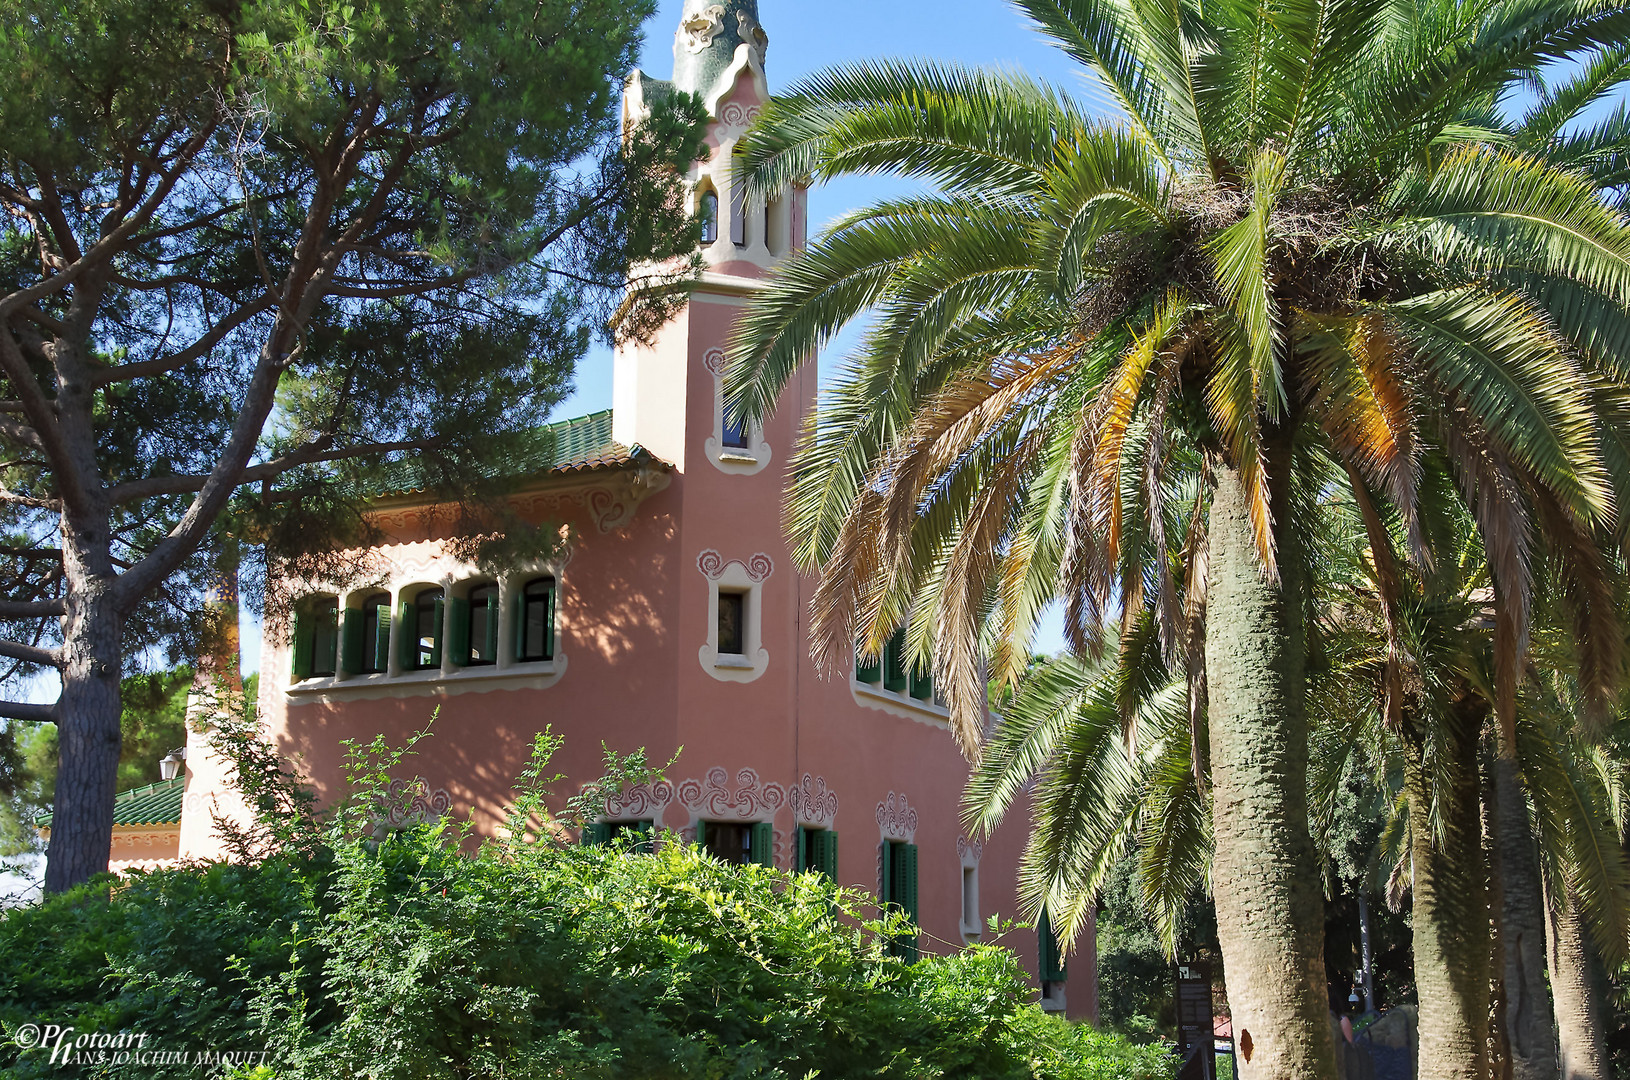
[674,620]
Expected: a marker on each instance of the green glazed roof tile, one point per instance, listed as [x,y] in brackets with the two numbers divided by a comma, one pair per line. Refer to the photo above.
[155,804]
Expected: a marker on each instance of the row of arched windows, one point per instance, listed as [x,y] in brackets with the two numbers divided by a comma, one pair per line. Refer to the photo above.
[428,627]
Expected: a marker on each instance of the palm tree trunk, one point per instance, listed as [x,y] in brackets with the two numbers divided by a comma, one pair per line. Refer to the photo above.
[1450,914]
[1577,987]
[1528,1011]
[1270,912]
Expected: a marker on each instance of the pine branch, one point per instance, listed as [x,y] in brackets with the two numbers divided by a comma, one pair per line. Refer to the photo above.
[25,710]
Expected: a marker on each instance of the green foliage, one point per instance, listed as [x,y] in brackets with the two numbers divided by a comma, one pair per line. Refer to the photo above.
[153,723]
[358,951]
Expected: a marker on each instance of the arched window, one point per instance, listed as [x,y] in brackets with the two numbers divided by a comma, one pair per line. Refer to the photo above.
[708,211]
[482,626]
[424,644]
[373,643]
[535,621]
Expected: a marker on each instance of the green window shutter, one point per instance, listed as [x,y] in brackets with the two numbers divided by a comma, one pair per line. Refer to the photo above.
[894,661]
[492,627]
[458,640]
[1051,957]
[382,637]
[351,641]
[922,684]
[595,834]
[407,632]
[908,899]
[829,855]
[764,843]
[802,838]
[885,874]
[549,623]
[304,641]
[438,628]
[867,671]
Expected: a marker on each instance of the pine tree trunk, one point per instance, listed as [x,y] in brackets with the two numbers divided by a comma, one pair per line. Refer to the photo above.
[1270,911]
[88,739]
[1450,906]
[1577,985]
[1528,1011]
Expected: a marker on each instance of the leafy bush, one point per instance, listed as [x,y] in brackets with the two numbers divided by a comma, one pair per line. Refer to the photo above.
[409,957]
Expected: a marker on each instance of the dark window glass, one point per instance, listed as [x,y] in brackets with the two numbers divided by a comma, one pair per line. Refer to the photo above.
[732,622]
[735,433]
[484,625]
[427,629]
[376,633]
[709,213]
[537,620]
[729,841]
[325,637]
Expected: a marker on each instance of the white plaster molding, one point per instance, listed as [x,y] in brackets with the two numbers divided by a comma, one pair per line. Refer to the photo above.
[898,704]
[814,804]
[639,801]
[538,675]
[414,802]
[968,854]
[697,32]
[752,36]
[897,819]
[714,798]
[735,576]
[968,851]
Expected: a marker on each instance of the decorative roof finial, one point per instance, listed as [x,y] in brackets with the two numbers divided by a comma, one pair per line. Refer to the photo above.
[710,32]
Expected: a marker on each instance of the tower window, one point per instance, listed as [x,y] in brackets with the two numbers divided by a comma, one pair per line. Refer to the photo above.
[732,623]
[535,623]
[708,211]
[970,900]
[735,432]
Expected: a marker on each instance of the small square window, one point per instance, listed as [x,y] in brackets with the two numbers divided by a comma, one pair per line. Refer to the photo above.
[735,433]
[732,623]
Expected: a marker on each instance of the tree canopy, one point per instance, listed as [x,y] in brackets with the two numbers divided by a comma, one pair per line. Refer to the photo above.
[254,249]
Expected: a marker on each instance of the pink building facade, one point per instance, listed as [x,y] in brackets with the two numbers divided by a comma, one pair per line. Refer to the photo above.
[673,620]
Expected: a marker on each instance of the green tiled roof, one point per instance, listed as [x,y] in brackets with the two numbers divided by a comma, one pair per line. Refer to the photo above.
[155,804]
[581,444]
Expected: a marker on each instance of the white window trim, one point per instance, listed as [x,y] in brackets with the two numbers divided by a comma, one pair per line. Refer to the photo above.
[450,679]
[968,860]
[735,460]
[747,578]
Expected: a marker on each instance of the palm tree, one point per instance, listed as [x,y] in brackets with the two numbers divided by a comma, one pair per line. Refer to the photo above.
[1306,239]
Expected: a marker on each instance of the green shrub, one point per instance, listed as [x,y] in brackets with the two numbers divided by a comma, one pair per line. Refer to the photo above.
[410,958]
